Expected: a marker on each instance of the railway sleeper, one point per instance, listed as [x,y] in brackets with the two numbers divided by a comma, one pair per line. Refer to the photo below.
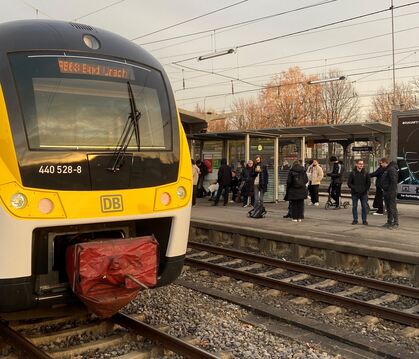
[17,325]
[97,345]
[295,278]
[96,328]
[323,284]
[250,267]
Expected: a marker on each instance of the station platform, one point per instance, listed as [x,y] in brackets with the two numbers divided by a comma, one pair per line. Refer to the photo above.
[331,230]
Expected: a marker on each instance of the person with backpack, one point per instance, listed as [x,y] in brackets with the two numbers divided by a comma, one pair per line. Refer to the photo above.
[359,181]
[297,190]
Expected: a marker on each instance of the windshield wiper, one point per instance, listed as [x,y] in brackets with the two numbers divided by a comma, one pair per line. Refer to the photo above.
[131,127]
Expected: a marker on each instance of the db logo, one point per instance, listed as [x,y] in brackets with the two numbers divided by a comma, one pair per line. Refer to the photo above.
[112,203]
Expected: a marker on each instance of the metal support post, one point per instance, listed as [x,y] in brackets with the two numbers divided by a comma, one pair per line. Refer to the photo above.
[276,169]
[247,147]
[303,149]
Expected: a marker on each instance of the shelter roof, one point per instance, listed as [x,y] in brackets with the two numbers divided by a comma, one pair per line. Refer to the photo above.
[320,132]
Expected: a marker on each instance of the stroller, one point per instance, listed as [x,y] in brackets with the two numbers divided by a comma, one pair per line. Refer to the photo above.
[330,203]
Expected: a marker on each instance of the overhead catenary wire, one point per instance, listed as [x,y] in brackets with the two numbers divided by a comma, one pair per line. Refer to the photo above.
[319,49]
[298,35]
[294,83]
[239,23]
[98,10]
[270,75]
[314,28]
[36,9]
[189,20]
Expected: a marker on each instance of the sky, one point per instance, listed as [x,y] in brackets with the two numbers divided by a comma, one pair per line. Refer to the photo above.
[262,42]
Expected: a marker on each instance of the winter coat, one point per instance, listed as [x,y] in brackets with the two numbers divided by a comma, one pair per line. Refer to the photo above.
[389,179]
[294,192]
[263,176]
[377,173]
[224,174]
[315,174]
[249,178]
[337,173]
[359,181]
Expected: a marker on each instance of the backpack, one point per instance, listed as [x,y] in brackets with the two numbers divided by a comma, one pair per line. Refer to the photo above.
[298,180]
[258,211]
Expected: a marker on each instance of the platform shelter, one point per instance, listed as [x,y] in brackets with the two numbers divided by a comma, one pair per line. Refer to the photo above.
[279,147]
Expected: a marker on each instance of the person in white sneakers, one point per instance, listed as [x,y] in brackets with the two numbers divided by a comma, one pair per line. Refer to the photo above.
[315,175]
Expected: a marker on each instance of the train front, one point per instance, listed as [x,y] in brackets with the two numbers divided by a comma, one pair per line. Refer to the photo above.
[92,157]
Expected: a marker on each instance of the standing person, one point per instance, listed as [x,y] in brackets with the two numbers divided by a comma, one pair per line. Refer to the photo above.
[224,181]
[378,198]
[359,182]
[336,180]
[195,175]
[261,180]
[315,175]
[234,186]
[203,172]
[249,179]
[240,169]
[388,183]
[297,190]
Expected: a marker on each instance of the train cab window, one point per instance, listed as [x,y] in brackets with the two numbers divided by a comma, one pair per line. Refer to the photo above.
[77,103]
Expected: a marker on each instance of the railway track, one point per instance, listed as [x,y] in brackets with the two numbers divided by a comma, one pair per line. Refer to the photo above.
[82,336]
[332,287]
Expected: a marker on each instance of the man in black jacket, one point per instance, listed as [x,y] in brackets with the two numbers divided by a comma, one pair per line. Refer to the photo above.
[336,180]
[388,183]
[224,181]
[378,198]
[359,182]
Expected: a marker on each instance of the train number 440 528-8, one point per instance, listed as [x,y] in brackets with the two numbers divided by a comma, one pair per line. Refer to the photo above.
[60,169]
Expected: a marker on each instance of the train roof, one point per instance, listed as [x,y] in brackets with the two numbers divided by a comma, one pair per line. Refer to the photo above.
[51,35]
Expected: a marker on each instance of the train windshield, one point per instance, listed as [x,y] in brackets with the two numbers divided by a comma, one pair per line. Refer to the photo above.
[81,103]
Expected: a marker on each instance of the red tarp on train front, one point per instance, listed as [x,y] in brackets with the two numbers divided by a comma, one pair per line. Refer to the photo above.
[99,271]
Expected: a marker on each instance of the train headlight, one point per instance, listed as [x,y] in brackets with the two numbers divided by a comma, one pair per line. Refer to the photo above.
[181,192]
[45,206]
[165,198]
[18,200]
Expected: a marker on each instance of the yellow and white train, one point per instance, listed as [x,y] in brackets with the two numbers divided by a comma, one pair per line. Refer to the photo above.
[91,147]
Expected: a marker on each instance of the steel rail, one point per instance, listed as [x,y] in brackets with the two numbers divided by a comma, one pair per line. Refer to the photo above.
[172,343]
[317,271]
[351,303]
[19,342]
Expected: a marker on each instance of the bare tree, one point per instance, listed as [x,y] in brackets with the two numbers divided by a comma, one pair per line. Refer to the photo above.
[283,99]
[247,114]
[385,101]
[339,101]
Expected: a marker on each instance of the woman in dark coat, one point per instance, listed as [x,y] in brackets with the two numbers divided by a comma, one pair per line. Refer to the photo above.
[249,179]
[260,186]
[297,190]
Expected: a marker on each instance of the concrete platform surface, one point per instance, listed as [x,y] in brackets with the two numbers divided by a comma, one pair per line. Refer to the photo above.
[331,228]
